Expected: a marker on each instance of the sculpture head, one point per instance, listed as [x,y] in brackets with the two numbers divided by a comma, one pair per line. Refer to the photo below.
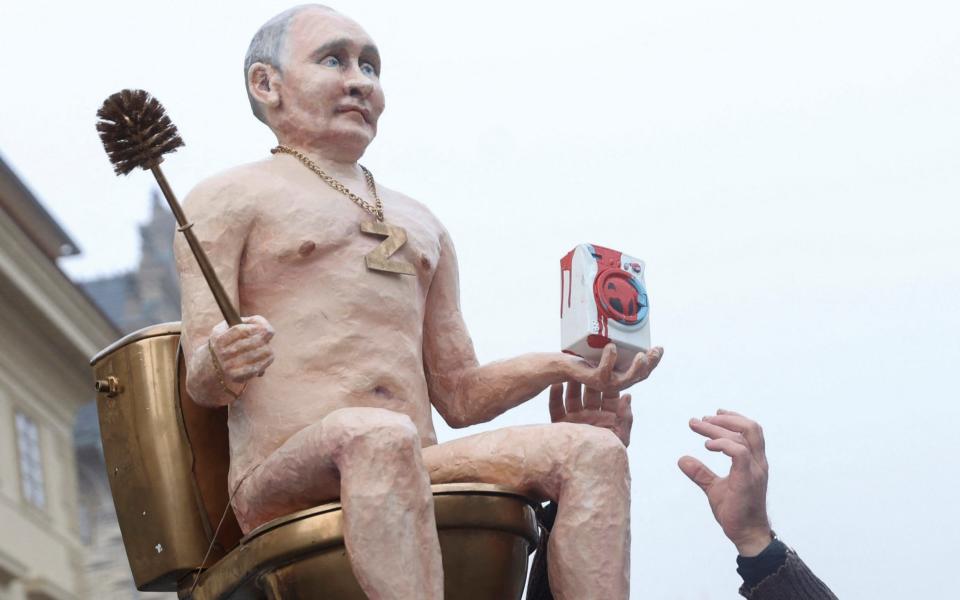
[312,76]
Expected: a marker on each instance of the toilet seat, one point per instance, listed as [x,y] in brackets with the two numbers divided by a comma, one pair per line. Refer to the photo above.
[167,460]
[486,533]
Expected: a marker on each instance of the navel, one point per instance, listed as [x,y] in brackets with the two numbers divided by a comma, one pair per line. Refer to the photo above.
[383,392]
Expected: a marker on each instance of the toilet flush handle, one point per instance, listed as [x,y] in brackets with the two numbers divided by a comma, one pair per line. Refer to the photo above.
[109,386]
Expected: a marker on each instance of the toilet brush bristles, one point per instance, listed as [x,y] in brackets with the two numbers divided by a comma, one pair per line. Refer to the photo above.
[135,131]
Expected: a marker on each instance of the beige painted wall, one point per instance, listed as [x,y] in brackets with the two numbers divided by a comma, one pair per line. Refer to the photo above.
[43,540]
[48,331]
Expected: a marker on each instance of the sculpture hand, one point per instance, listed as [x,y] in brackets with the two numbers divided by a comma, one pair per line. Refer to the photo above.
[609,410]
[739,500]
[603,376]
[243,350]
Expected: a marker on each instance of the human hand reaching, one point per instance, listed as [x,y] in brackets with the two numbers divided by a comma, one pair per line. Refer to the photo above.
[739,500]
[609,410]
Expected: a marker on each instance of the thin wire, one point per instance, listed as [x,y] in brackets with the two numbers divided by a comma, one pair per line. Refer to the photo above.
[213,540]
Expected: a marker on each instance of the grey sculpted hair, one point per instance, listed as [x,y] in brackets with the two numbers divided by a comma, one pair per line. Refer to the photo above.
[268,46]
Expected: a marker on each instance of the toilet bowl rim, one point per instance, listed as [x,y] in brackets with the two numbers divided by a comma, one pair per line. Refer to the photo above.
[438,489]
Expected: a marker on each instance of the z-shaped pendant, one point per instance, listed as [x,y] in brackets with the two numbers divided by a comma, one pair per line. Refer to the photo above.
[379,259]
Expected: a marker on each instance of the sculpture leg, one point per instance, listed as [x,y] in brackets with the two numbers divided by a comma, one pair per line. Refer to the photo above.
[585,470]
[389,526]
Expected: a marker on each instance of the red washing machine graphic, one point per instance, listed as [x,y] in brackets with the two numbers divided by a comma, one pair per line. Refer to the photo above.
[603,299]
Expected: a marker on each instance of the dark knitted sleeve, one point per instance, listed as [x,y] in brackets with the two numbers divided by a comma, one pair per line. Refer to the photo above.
[792,581]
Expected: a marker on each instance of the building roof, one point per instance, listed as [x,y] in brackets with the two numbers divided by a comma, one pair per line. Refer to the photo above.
[112,294]
[22,206]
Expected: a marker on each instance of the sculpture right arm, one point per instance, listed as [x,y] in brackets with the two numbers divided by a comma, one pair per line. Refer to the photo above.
[222,219]
[466,393]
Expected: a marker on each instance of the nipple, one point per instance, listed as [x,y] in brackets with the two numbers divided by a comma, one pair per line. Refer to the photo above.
[306,248]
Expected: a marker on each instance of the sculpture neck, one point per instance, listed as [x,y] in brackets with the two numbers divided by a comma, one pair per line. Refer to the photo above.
[336,164]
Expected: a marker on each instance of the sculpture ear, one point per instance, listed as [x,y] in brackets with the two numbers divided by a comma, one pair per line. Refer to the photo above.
[263,83]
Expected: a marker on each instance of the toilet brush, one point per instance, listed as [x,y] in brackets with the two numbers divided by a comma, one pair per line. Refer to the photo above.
[136,132]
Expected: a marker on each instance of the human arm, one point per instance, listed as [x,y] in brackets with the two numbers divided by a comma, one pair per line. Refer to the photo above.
[770,570]
[609,410]
[219,359]
[777,573]
[465,393]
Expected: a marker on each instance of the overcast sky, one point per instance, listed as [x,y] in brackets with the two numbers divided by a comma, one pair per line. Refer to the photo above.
[789,171]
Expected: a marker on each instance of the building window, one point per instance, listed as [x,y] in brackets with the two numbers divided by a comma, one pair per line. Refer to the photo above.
[31,467]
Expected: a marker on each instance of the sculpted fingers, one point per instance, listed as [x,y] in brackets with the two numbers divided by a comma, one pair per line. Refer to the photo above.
[643,364]
[613,401]
[596,418]
[572,402]
[623,408]
[255,326]
[259,368]
[556,403]
[265,364]
[698,472]
[243,346]
[607,361]
[592,400]
[248,372]
[221,341]
[624,419]
[249,357]
[262,323]
[235,333]
[654,356]
[250,364]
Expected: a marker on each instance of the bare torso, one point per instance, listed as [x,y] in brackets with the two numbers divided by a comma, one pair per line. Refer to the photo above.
[345,336]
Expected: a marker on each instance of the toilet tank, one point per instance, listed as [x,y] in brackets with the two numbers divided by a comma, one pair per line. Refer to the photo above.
[166,459]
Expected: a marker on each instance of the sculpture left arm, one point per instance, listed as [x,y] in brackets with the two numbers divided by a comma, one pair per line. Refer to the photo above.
[466,393]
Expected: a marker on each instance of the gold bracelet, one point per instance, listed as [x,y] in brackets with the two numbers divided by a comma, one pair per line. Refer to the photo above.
[219,369]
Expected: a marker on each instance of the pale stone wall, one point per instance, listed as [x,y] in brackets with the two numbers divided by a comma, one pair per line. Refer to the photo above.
[48,331]
[70,549]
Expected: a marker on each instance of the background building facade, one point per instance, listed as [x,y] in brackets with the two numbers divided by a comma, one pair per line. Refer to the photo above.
[49,329]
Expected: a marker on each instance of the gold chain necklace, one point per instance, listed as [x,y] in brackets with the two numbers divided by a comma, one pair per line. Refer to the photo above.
[376,209]
[379,259]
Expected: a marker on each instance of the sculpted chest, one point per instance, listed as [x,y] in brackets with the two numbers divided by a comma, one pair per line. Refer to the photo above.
[327,233]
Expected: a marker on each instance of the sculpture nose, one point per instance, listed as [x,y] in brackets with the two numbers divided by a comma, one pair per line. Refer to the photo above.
[357,84]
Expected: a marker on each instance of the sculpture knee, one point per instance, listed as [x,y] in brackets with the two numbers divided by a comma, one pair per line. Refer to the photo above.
[594,452]
[370,433]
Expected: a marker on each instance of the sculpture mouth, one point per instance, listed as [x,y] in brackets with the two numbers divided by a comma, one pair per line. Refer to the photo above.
[363,112]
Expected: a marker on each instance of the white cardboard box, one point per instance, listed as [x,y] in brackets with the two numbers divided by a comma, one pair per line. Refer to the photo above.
[603,299]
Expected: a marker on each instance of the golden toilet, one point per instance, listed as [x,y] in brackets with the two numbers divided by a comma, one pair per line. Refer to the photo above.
[167,461]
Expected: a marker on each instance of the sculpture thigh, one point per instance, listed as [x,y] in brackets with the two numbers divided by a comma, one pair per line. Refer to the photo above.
[584,469]
[370,458]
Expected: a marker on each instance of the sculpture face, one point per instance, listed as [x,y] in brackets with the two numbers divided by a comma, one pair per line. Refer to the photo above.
[330,93]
